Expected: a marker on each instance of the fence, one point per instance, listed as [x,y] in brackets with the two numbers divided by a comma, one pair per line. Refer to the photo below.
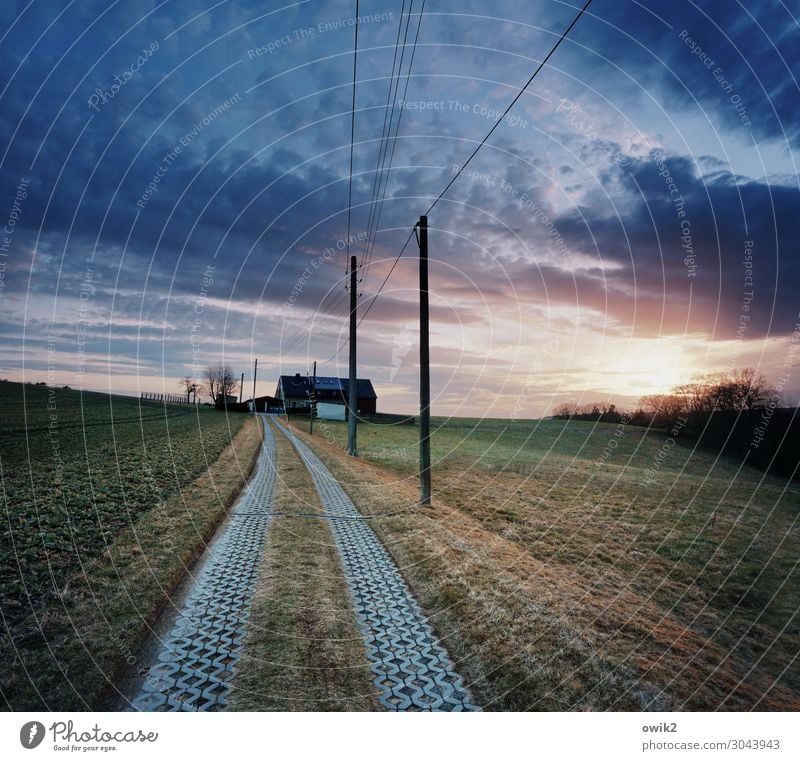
[149,396]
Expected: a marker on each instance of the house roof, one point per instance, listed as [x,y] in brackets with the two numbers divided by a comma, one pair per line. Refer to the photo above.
[295,386]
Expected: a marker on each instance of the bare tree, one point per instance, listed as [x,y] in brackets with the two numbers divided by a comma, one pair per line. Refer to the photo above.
[698,394]
[565,411]
[219,381]
[751,390]
[664,409]
[736,391]
[190,386]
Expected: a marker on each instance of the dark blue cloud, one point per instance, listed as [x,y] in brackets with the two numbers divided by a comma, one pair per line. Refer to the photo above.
[735,61]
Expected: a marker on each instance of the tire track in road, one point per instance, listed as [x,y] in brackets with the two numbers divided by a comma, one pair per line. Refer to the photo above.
[412,669]
[194,666]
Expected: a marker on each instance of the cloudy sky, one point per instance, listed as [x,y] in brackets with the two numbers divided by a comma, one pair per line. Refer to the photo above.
[174,185]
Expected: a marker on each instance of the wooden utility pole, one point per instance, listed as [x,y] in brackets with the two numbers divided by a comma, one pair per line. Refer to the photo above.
[312,407]
[424,369]
[352,404]
[241,389]
[255,370]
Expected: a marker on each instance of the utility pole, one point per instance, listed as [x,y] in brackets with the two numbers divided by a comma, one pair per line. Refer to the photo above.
[255,370]
[313,406]
[352,449]
[241,389]
[424,369]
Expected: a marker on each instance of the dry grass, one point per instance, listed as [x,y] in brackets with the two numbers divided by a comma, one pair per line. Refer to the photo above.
[558,583]
[303,649]
[70,656]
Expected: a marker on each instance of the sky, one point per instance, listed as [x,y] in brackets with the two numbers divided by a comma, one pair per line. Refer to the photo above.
[175,190]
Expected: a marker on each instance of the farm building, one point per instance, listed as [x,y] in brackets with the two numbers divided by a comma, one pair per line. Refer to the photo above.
[330,411]
[268,404]
[295,392]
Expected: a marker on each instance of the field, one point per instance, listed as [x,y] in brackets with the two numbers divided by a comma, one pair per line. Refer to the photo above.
[85,481]
[573,565]
[566,565]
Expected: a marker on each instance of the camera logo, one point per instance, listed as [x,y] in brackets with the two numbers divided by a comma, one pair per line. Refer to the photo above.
[31,734]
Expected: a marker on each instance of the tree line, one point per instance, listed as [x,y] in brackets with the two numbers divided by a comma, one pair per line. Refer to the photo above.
[739,412]
[699,398]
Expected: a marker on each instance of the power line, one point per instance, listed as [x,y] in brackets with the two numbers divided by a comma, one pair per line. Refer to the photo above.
[469,159]
[480,145]
[510,105]
[371,242]
[386,132]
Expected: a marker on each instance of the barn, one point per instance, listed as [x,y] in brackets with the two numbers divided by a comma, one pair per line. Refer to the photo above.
[268,404]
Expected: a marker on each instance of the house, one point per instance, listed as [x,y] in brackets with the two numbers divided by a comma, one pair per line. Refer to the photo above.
[295,391]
